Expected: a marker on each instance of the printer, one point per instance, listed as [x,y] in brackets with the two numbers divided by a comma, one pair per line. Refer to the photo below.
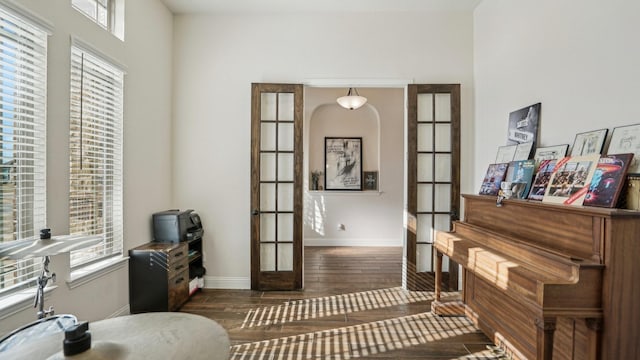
[176,226]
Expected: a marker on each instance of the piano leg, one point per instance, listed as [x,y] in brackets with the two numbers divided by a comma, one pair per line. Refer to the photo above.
[594,326]
[447,308]
[546,328]
[438,280]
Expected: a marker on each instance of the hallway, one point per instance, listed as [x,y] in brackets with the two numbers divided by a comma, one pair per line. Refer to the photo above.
[353,306]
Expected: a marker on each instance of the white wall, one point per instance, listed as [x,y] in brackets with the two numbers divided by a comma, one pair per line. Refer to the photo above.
[370,218]
[147,56]
[217,57]
[578,57]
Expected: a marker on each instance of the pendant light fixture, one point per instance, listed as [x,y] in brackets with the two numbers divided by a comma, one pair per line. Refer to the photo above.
[352,100]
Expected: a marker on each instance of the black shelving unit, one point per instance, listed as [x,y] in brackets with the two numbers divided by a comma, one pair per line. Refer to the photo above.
[196,267]
[165,272]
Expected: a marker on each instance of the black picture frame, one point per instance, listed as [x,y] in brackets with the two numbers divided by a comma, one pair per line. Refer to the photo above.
[343,163]
[555,152]
[626,139]
[370,180]
[523,125]
[589,143]
[523,151]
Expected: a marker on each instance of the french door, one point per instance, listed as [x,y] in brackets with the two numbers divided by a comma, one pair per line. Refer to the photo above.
[276,186]
[433,179]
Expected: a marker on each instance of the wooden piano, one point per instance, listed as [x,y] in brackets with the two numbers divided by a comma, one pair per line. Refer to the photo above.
[548,281]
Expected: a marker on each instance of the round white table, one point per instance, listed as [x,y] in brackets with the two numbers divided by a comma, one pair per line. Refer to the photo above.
[162,335]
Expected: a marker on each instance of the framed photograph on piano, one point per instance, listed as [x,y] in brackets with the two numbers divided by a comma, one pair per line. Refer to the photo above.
[588,143]
[555,152]
[626,139]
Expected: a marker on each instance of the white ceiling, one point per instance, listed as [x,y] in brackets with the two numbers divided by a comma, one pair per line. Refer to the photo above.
[225,6]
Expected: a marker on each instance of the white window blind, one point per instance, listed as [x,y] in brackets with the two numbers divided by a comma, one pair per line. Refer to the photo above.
[95,199]
[23,80]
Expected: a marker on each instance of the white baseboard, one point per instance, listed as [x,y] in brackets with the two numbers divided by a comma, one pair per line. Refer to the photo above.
[220,282]
[352,242]
[243,283]
[125,310]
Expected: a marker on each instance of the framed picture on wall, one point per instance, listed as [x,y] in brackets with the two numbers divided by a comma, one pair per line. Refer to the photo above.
[370,180]
[343,163]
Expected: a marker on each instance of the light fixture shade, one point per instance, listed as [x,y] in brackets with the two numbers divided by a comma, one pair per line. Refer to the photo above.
[351,101]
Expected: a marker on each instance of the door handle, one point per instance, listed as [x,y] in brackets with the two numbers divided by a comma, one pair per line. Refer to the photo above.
[255,212]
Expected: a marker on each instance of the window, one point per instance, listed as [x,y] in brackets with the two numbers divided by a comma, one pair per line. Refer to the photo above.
[108,14]
[95,199]
[97,10]
[23,84]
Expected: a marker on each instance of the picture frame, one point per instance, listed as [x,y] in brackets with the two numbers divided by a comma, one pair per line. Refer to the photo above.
[523,151]
[555,152]
[589,143]
[626,139]
[343,163]
[523,125]
[505,154]
[370,180]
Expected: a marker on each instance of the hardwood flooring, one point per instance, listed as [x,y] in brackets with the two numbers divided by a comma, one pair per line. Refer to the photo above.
[353,306]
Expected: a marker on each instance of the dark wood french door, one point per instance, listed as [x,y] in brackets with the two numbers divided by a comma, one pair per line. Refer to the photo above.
[276,186]
[433,179]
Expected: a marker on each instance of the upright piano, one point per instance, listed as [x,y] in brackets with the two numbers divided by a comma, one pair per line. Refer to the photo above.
[548,281]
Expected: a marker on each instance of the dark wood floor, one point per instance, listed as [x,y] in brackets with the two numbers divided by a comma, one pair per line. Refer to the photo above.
[353,306]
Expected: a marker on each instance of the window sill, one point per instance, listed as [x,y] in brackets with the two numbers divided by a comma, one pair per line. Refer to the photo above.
[22,300]
[91,272]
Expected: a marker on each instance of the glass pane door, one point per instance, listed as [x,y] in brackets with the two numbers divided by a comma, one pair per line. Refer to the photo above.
[433,176]
[276,187]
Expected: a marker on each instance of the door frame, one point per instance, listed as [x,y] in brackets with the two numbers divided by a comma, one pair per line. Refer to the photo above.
[410,219]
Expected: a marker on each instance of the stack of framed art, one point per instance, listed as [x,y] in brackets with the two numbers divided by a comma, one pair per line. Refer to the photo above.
[584,176]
